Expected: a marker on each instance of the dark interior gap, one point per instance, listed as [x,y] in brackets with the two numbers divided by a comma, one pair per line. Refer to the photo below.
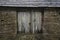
[42,13]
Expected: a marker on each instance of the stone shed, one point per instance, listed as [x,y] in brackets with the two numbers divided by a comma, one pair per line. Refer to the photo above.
[29,19]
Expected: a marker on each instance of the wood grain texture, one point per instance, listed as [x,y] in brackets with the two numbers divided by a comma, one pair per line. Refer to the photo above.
[36,21]
[23,21]
[29,21]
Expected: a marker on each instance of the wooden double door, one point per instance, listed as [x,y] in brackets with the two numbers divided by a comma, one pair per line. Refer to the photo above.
[29,21]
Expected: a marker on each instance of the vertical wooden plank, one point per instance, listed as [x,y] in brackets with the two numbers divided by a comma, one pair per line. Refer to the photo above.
[19,21]
[36,21]
[32,21]
[23,21]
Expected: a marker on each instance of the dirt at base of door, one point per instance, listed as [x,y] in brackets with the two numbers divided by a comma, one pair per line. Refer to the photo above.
[36,37]
[28,37]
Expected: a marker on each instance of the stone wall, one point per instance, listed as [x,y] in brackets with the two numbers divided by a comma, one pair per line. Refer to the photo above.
[52,24]
[8,25]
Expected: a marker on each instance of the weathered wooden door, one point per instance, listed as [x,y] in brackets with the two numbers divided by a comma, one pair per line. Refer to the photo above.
[29,21]
[35,21]
[23,21]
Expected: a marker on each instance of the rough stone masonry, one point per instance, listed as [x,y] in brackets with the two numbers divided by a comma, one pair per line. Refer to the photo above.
[52,24]
[7,24]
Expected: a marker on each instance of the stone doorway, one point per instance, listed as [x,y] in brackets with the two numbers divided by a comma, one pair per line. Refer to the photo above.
[29,24]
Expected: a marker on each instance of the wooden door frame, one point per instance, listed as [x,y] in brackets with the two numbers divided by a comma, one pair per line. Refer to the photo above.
[42,13]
